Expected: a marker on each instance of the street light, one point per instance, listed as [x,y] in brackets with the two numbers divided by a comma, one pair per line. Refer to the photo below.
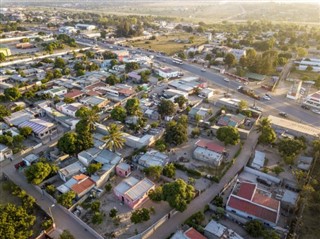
[51,215]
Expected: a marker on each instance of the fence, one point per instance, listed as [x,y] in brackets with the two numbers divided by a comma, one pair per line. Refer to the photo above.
[150,230]
[82,223]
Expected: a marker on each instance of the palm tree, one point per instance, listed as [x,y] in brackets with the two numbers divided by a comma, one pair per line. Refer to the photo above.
[90,116]
[114,139]
[263,124]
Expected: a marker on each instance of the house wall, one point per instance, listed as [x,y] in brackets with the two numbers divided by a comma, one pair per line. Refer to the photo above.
[105,177]
[123,173]
[247,216]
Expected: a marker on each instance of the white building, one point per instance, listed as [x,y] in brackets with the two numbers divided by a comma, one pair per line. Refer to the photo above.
[313,100]
[208,152]
[215,230]
[56,91]
[86,27]
[69,109]
[5,152]
[167,72]
[153,158]
[258,161]
[238,53]
[67,30]
[69,171]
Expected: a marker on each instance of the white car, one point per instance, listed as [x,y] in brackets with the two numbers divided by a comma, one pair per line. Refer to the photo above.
[203,70]
[316,111]
[226,79]
[266,98]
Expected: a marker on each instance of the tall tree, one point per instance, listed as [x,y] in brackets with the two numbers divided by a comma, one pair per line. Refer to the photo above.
[166,108]
[119,113]
[114,139]
[133,106]
[12,94]
[228,135]
[89,115]
[230,60]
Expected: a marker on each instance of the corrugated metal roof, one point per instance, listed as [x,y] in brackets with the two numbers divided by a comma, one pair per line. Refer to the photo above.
[138,190]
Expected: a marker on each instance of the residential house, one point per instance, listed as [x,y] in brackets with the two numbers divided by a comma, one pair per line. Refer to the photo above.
[258,160]
[40,128]
[191,233]
[188,84]
[69,109]
[133,192]
[56,91]
[153,158]
[209,152]
[18,117]
[231,120]
[203,113]
[67,29]
[95,101]
[215,230]
[72,169]
[74,94]
[86,27]
[207,93]
[249,202]
[174,92]
[30,159]
[167,73]
[123,170]
[5,152]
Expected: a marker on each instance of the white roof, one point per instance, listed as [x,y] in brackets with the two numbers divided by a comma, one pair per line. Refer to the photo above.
[207,155]
[258,161]
[215,228]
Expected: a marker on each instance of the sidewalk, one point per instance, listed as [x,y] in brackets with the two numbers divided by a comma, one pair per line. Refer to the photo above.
[170,226]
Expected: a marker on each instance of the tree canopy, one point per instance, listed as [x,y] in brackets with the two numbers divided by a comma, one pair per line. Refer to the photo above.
[176,133]
[12,94]
[228,135]
[178,194]
[4,112]
[133,106]
[166,108]
[119,113]
[38,171]
[16,222]
[114,139]
[180,100]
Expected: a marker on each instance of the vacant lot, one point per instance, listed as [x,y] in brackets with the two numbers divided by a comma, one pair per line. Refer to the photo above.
[171,43]
[303,75]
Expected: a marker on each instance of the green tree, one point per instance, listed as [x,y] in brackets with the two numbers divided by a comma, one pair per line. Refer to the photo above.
[302,52]
[131,66]
[178,194]
[37,172]
[2,57]
[59,63]
[94,167]
[25,131]
[169,170]
[16,222]
[133,106]
[180,100]
[153,172]
[95,206]
[228,135]
[112,80]
[12,94]
[4,112]
[113,213]
[267,136]
[156,194]
[68,143]
[182,55]
[66,235]
[90,116]
[254,228]
[109,55]
[51,189]
[230,60]
[103,34]
[119,113]
[97,218]
[68,100]
[263,123]
[242,105]
[176,133]
[140,215]
[114,139]
[290,148]
[166,108]
[66,199]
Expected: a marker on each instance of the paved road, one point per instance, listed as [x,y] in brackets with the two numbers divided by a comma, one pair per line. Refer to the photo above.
[198,203]
[61,218]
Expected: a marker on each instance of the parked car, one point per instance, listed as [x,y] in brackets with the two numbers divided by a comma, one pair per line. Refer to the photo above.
[316,111]
[203,70]
[283,114]
[266,98]
[226,79]
[305,107]
[268,95]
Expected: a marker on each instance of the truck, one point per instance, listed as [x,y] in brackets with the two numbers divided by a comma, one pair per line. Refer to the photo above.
[248,92]
[21,164]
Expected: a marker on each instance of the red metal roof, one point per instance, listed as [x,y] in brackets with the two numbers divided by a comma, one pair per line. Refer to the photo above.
[210,145]
[73,93]
[246,190]
[252,209]
[265,201]
[83,186]
[194,234]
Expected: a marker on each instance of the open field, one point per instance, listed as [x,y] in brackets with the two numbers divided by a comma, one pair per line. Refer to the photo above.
[168,43]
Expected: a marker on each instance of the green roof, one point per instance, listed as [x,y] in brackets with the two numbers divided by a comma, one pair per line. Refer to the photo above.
[255,76]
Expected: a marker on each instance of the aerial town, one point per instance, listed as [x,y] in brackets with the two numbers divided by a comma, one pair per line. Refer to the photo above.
[148,126]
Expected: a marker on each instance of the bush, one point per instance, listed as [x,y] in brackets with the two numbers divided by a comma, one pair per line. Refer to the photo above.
[50,189]
[218,201]
[140,215]
[113,213]
[97,218]
[95,206]
[156,194]
[108,187]
[191,172]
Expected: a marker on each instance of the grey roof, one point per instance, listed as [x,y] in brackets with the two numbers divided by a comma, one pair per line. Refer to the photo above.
[108,157]
[126,184]
[290,197]
[3,147]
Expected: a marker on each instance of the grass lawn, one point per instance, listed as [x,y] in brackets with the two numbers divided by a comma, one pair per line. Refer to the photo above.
[296,74]
[167,43]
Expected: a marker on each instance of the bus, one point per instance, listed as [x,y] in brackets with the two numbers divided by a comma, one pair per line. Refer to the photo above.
[178,61]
